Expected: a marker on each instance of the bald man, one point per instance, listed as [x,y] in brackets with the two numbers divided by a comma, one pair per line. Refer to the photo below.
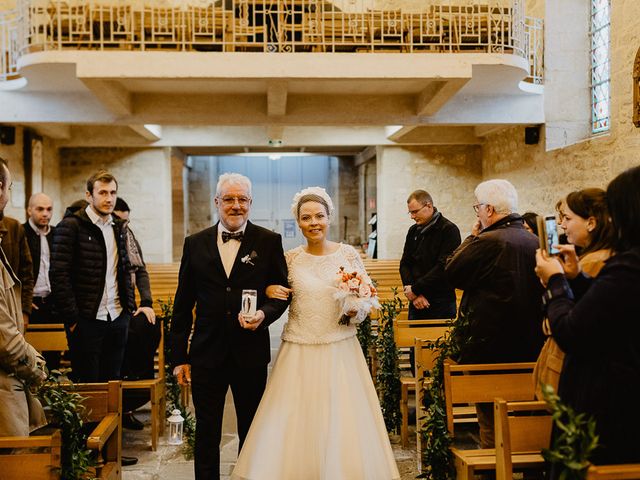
[39,236]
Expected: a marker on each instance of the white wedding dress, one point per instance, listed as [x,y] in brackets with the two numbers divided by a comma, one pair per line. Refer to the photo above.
[319,418]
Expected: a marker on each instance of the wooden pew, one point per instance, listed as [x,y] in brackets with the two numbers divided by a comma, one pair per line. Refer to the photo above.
[46,337]
[103,405]
[627,471]
[519,438]
[481,383]
[36,458]
[405,333]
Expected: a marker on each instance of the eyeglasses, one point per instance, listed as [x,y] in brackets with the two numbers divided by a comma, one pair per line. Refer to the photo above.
[229,201]
[476,207]
[413,212]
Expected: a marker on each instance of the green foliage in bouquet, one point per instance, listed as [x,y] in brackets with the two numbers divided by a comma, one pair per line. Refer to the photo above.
[64,410]
[388,374]
[574,440]
[173,388]
[437,459]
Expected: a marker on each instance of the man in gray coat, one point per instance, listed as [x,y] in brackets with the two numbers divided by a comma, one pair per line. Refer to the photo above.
[20,364]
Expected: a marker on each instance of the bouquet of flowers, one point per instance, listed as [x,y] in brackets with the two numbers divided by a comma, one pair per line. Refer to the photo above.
[356,293]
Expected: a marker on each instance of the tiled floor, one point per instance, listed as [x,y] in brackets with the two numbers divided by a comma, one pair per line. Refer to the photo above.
[168,463]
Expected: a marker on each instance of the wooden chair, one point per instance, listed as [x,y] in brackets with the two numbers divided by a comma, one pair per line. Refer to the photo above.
[405,333]
[626,471]
[157,394]
[103,404]
[477,383]
[522,430]
[36,457]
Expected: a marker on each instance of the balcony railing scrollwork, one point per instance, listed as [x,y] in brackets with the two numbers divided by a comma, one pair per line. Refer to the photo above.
[493,26]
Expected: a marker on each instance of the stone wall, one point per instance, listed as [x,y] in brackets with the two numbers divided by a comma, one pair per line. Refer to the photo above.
[46,170]
[144,181]
[449,174]
[348,200]
[202,186]
[543,177]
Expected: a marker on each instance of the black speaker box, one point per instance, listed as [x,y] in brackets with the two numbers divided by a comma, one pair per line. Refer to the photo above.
[531,135]
[7,135]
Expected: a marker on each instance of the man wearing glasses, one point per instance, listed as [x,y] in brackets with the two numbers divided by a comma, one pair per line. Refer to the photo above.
[227,349]
[428,244]
[502,295]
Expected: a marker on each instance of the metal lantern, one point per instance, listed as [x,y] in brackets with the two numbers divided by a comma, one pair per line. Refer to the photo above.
[176,424]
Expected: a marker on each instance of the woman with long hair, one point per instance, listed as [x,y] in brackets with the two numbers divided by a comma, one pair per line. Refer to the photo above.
[597,324]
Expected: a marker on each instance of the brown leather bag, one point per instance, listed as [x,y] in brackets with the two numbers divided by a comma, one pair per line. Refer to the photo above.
[549,364]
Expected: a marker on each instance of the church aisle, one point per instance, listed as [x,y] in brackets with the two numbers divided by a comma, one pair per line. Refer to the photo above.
[168,463]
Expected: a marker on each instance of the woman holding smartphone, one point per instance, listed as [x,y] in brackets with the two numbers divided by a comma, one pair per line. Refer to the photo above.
[597,323]
[584,217]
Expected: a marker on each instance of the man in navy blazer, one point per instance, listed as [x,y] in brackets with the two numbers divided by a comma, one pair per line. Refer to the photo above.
[227,349]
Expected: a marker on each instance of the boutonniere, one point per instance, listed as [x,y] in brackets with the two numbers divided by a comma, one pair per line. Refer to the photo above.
[249,258]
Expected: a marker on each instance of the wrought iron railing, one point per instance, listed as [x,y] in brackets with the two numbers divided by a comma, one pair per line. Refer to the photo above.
[494,26]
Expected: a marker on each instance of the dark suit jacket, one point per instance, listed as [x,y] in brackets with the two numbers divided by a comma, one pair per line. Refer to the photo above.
[33,239]
[203,283]
[16,249]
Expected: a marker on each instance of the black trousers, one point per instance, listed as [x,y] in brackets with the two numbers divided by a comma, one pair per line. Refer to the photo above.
[97,349]
[209,388]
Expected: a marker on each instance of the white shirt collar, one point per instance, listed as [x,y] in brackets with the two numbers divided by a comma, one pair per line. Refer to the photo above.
[222,228]
[37,230]
[96,219]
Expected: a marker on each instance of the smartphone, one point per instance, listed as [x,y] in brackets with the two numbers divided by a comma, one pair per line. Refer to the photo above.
[548,234]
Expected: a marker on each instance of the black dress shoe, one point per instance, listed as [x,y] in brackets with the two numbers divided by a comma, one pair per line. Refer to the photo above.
[130,422]
[128,461]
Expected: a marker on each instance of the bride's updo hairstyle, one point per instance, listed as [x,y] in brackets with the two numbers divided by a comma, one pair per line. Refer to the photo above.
[311,194]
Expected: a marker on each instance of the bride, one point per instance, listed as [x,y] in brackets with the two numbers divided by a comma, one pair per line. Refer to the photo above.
[319,418]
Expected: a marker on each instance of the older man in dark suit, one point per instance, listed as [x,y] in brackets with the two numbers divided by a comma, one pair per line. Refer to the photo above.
[227,349]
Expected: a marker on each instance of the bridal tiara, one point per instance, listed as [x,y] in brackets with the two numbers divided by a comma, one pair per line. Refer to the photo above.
[319,191]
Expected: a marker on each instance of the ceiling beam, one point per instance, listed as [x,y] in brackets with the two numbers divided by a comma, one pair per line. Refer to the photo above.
[277,98]
[436,94]
[436,135]
[117,99]
[153,133]
[57,131]
[484,130]
[365,155]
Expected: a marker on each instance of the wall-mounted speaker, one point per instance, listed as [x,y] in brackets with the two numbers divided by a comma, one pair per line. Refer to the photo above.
[7,135]
[532,135]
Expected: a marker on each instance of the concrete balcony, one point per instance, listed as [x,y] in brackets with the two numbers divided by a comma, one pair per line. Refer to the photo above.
[474,65]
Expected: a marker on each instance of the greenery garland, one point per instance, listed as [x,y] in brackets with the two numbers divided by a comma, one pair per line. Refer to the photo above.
[574,440]
[437,459]
[64,409]
[388,374]
[365,338]
[173,391]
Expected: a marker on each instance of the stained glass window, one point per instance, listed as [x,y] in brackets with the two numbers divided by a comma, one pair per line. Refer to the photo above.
[600,65]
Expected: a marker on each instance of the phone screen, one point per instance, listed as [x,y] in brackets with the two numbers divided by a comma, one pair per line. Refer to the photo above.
[551,228]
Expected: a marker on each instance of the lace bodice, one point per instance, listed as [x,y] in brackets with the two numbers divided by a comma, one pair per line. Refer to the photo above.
[314,313]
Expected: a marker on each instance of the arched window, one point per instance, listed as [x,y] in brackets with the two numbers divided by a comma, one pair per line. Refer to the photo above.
[636,90]
[600,65]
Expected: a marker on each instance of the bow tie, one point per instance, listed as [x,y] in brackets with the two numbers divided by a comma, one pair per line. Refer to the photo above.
[226,236]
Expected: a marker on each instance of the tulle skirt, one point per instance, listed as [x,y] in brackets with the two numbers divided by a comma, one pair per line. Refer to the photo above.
[319,419]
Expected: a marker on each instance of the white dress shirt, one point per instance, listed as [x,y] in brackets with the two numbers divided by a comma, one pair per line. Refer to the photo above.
[229,250]
[42,288]
[110,302]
